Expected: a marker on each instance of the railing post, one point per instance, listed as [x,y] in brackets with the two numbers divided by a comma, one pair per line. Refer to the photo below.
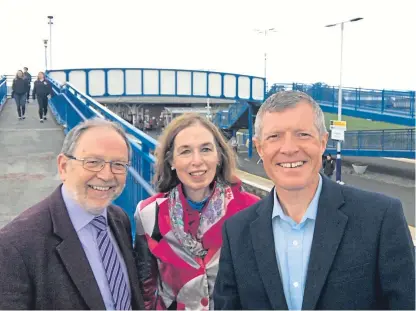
[145,170]
[382,101]
[356,98]
[412,104]
[382,140]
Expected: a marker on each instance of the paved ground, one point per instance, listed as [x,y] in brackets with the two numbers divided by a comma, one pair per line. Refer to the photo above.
[28,153]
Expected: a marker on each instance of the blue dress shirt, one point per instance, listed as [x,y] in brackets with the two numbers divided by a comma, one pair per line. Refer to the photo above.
[293,243]
[87,234]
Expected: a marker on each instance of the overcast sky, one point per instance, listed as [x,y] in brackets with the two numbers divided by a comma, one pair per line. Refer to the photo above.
[217,35]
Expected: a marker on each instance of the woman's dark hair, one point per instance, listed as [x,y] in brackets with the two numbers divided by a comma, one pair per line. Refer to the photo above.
[165,178]
[17,77]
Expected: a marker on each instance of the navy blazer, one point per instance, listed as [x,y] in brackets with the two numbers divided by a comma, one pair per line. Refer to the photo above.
[362,256]
[43,265]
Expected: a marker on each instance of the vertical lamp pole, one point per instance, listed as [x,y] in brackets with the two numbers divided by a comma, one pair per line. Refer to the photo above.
[265,32]
[338,162]
[45,42]
[50,22]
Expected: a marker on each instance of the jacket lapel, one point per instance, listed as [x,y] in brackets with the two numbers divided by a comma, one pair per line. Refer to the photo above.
[72,254]
[329,230]
[123,239]
[264,250]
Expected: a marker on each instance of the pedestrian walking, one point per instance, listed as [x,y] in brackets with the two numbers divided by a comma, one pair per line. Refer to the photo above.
[19,89]
[28,77]
[329,166]
[42,90]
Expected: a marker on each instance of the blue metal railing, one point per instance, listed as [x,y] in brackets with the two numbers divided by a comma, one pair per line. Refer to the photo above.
[3,89]
[394,106]
[71,106]
[226,119]
[393,143]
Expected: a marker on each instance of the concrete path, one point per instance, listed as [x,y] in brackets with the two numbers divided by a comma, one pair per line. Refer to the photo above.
[28,150]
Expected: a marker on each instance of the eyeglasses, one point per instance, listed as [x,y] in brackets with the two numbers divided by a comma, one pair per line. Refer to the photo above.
[96,165]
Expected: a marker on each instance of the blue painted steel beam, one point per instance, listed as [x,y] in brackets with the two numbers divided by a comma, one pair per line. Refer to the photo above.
[192,82]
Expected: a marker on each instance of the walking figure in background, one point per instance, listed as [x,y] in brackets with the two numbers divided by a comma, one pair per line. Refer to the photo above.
[42,90]
[329,166]
[28,77]
[234,144]
[19,89]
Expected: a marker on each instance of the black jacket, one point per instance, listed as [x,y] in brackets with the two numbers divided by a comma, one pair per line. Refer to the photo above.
[41,89]
[362,256]
[43,265]
[329,167]
[27,76]
[19,86]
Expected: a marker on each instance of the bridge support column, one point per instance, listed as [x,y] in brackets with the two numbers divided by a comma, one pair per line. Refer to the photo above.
[250,132]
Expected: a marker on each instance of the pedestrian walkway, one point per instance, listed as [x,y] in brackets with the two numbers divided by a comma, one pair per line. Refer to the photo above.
[28,150]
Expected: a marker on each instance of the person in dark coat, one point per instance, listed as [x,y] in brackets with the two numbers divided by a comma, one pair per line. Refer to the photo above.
[42,89]
[52,255]
[28,77]
[312,244]
[19,89]
[329,166]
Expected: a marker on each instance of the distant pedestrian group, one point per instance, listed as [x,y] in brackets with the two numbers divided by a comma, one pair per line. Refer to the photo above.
[42,90]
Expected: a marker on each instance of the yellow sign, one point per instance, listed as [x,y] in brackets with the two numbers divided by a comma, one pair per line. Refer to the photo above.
[340,125]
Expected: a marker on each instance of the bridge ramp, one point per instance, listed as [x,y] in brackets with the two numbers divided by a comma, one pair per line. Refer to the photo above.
[28,151]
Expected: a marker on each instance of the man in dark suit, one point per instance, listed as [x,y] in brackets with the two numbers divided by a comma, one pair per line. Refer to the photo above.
[73,250]
[312,243]
[28,77]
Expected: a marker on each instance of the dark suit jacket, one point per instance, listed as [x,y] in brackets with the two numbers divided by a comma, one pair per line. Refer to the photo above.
[362,256]
[43,264]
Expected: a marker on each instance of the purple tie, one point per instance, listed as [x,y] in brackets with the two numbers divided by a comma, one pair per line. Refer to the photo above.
[112,266]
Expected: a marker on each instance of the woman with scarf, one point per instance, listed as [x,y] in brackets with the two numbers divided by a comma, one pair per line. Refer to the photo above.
[179,230]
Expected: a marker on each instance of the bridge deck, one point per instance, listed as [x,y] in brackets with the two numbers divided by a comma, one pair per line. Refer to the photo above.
[28,150]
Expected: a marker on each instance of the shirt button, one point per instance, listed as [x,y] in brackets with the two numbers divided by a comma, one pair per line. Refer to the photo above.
[295,243]
[296,284]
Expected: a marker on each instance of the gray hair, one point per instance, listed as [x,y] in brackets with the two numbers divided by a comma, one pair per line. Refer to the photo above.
[283,100]
[72,138]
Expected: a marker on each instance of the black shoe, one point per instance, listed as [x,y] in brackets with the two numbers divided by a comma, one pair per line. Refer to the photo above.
[23,117]
[41,120]
[45,118]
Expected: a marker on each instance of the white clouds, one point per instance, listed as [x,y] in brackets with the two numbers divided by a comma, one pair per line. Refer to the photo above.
[218,35]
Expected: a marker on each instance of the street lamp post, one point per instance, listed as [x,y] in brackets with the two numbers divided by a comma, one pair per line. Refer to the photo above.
[45,42]
[50,23]
[265,32]
[338,161]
